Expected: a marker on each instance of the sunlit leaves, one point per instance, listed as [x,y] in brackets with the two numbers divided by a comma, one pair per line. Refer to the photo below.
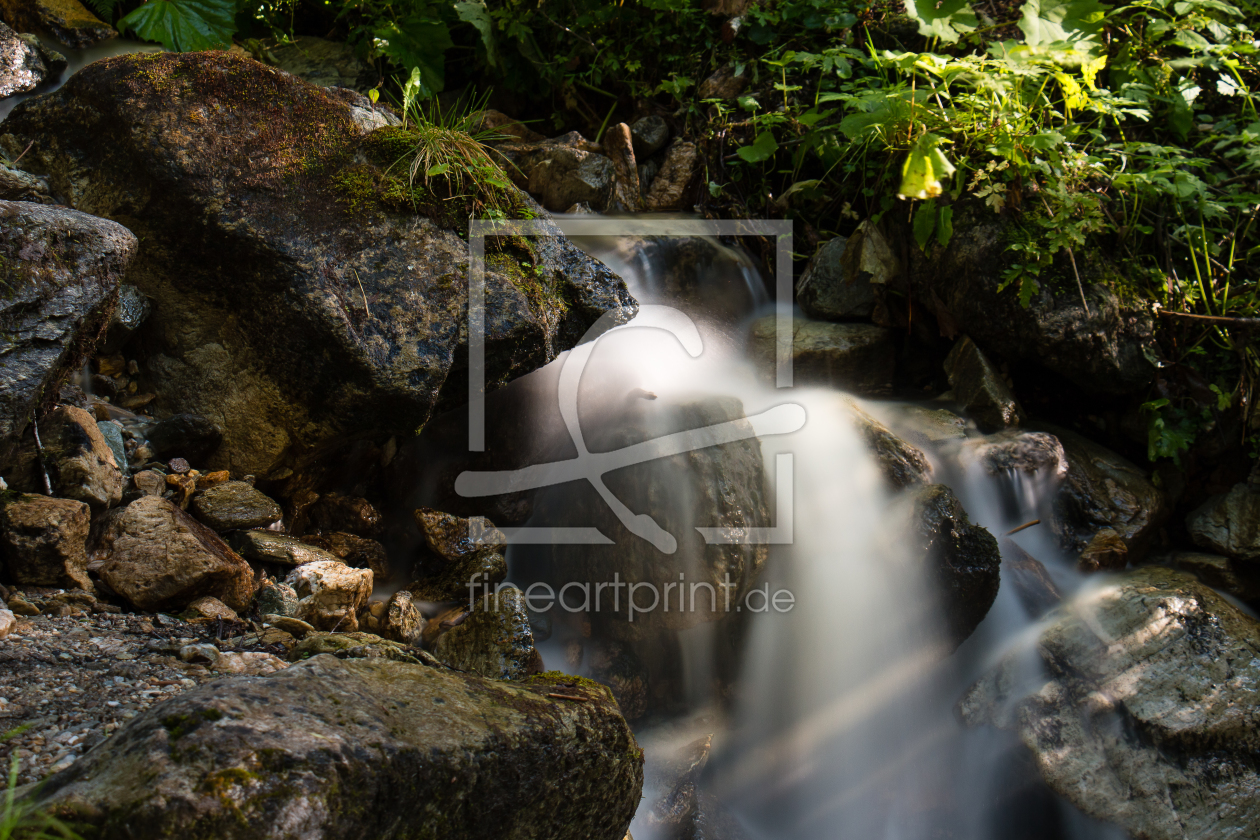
[923,169]
[945,19]
[762,149]
[184,25]
[1070,21]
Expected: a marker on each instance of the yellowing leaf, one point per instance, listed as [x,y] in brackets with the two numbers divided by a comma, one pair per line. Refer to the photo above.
[923,170]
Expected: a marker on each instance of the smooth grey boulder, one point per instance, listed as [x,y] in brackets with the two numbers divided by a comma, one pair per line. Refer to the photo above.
[299,298]
[61,270]
[364,748]
[859,358]
[1149,718]
[494,640]
[1229,523]
[979,387]
[833,287]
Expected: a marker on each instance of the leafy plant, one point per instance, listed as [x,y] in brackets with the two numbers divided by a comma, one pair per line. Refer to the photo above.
[178,25]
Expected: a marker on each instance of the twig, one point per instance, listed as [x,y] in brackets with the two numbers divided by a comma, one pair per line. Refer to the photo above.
[1022,527]
[360,282]
[1225,319]
[39,450]
[24,151]
[568,697]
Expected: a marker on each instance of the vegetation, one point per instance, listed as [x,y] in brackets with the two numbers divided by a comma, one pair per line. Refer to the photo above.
[19,819]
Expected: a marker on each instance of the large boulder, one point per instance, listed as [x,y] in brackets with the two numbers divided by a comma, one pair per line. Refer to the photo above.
[364,748]
[1149,718]
[1229,523]
[1103,350]
[860,358]
[80,463]
[68,21]
[304,290]
[44,541]
[493,640]
[980,389]
[158,557]
[61,270]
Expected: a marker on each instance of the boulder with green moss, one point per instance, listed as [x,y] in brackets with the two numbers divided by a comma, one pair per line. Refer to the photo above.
[304,288]
[355,748]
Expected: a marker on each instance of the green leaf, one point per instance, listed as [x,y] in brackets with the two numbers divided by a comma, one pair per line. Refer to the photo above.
[944,225]
[1072,21]
[184,25]
[923,170]
[437,169]
[945,19]
[924,223]
[764,147]
[418,42]
[476,13]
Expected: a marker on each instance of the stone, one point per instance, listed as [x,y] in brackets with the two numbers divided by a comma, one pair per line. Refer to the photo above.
[112,433]
[16,185]
[199,653]
[351,312]
[426,747]
[567,176]
[179,466]
[1019,451]
[272,547]
[337,512]
[980,389]
[66,20]
[453,537]
[21,64]
[160,558]
[79,461]
[188,436]
[1148,719]
[1105,552]
[961,558]
[649,135]
[1104,490]
[859,358]
[210,607]
[677,775]
[213,479]
[723,84]
[295,627]
[323,63]
[1229,523]
[361,553]
[275,598]
[505,127]
[930,426]
[1235,577]
[133,308]
[464,578]
[62,270]
[671,185]
[831,287]
[8,621]
[20,606]
[45,541]
[901,463]
[494,640]
[330,594]
[403,622]
[233,505]
[354,645]
[618,146]
[1037,591]
[254,663]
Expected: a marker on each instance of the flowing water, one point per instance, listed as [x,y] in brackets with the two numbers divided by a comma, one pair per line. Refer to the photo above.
[76,60]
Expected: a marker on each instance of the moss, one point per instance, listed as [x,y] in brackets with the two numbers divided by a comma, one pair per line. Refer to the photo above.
[180,725]
[220,781]
[547,295]
[559,679]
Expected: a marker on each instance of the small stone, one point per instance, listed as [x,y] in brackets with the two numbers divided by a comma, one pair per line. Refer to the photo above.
[723,84]
[275,599]
[649,134]
[199,653]
[20,606]
[112,432]
[403,622]
[670,186]
[147,483]
[361,553]
[250,663]
[453,538]
[213,479]
[330,594]
[83,466]
[980,388]
[494,640]
[335,512]
[8,621]
[1106,552]
[210,607]
[183,487]
[270,547]
[234,505]
[178,466]
[295,627]
[45,541]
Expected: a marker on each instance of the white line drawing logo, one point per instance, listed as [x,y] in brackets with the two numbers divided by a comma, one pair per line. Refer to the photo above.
[592,466]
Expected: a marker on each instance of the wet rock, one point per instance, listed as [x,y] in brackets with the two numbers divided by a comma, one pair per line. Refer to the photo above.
[1103,490]
[62,272]
[295,627]
[113,435]
[16,185]
[930,426]
[523,763]
[566,176]
[158,557]
[66,20]
[8,621]
[1238,578]
[670,187]
[274,598]
[21,64]
[45,541]
[187,436]
[860,358]
[79,461]
[210,607]
[323,63]
[903,465]
[649,135]
[467,577]
[618,147]
[330,594]
[403,622]
[133,308]
[962,558]
[361,553]
[834,288]
[20,606]
[235,504]
[723,84]
[350,313]
[1019,451]
[615,665]
[453,537]
[1229,523]
[494,640]
[271,547]
[1105,552]
[677,776]
[1148,720]
[336,512]
[979,387]
[1034,586]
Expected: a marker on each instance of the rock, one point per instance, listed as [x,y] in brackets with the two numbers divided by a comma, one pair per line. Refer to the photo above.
[335,512]
[979,387]
[275,598]
[1103,490]
[859,358]
[567,176]
[295,627]
[1105,552]
[66,20]
[16,185]
[145,483]
[254,663]
[670,186]
[494,640]
[20,606]
[45,541]
[1235,577]
[1229,523]
[616,666]
[1149,719]
[1104,351]
[350,312]
[79,461]
[902,465]
[330,594]
[199,653]
[1019,451]
[649,135]
[1034,586]
[930,426]
[403,622]
[233,505]
[323,63]
[723,84]
[21,64]
[112,433]
[425,747]
[187,435]
[271,547]
[133,308]
[158,557]
[465,578]
[361,553]
[962,558]
[677,776]
[454,538]
[209,607]
[352,645]
[505,127]
[8,621]
[62,270]
[618,147]
[833,288]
